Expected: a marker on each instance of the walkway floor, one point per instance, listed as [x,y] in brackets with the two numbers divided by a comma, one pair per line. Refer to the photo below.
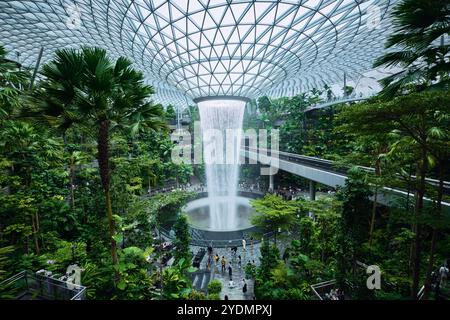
[203,277]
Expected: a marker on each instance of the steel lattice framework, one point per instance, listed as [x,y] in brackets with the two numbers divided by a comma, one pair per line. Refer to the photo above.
[197,48]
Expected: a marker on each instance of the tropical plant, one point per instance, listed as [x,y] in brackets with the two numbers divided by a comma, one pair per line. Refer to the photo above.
[182,238]
[353,229]
[273,213]
[176,282]
[88,89]
[417,47]
[13,81]
[4,252]
[214,287]
[419,123]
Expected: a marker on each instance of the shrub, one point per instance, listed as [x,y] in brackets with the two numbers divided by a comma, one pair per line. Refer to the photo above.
[214,287]
[196,295]
[214,296]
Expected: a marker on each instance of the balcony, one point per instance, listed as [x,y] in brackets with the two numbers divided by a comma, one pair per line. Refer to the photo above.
[30,286]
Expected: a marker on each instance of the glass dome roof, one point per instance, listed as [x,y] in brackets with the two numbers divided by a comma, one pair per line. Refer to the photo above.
[199,48]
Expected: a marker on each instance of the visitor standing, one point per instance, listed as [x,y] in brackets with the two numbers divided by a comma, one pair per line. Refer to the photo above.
[210,250]
[216,260]
[443,273]
[239,261]
[244,288]
[208,263]
[251,244]
[223,262]
[230,271]
[244,243]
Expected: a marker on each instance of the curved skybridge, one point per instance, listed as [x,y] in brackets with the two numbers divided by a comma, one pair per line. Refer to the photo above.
[326,172]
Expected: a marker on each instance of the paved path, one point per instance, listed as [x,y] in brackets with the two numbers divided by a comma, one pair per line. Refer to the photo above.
[203,276]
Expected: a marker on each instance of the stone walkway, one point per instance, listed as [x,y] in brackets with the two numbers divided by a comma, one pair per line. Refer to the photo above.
[202,277]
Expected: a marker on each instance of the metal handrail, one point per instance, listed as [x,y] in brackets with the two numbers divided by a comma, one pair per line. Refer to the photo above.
[320,285]
[220,243]
[330,165]
[76,293]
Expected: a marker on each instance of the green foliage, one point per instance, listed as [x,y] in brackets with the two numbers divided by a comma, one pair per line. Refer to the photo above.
[13,80]
[176,283]
[196,295]
[307,231]
[269,260]
[272,213]
[214,287]
[213,296]
[97,280]
[52,210]
[416,48]
[64,253]
[51,195]
[183,238]
[4,252]
[134,283]
[166,206]
[170,113]
[250,271]
[353,228]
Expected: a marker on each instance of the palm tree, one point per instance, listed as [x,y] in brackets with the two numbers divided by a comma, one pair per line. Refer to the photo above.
[85,88]
[417,47]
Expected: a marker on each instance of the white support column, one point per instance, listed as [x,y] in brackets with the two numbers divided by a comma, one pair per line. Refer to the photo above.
[271,183]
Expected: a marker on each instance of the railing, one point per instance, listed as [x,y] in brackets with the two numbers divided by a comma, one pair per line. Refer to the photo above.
[438,292]
[319,289]
[28,286]
[199,240]
[331,166]
[202,189]
[338,100]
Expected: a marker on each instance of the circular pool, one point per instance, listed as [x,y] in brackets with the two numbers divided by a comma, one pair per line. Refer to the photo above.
[200,219]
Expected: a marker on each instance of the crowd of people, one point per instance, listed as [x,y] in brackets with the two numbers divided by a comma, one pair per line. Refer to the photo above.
[251,187]
[224,264]
[288,193]
[181,187]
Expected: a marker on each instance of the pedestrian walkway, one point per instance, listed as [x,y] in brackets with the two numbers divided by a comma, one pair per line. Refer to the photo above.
[200,280]
[203,276]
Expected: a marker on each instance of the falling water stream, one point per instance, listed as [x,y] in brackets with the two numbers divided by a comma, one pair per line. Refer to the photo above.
[221,123]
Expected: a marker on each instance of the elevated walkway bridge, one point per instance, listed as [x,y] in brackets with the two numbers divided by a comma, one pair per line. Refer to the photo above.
[328,173]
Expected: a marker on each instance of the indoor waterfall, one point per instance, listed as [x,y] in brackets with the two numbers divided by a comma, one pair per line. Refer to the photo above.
[221,123]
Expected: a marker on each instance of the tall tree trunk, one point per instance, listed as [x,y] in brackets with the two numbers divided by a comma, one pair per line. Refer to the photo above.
[38,229]
[35,235]
[72,187]
[418,228]
[374,213]
[103,163]
[411,247]
[160,265]
[375,201]
[435,234]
